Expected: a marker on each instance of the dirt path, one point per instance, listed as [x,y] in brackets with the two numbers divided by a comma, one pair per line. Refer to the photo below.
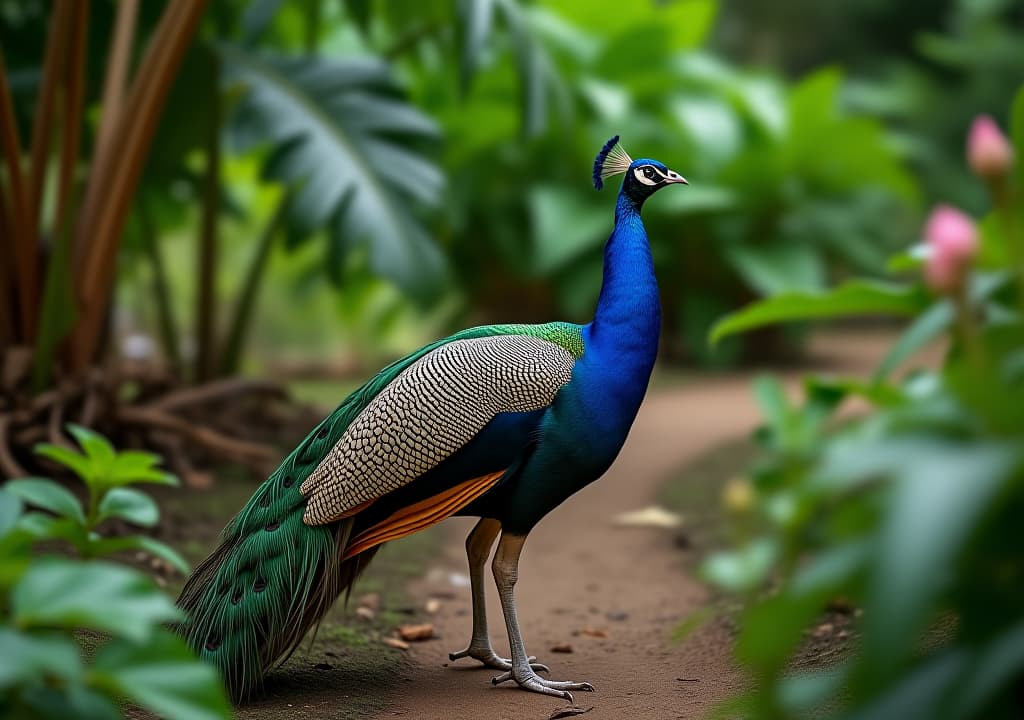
[579,571]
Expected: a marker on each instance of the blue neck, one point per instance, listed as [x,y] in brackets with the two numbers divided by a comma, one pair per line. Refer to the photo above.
[628,316]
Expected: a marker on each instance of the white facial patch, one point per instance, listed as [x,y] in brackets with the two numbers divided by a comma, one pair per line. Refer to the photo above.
[638,173]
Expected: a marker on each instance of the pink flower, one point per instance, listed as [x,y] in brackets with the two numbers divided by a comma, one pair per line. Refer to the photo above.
[953,242]
[988,151]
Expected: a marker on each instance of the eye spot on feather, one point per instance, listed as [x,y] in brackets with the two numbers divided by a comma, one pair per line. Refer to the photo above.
[212,643]
[288,481]
[236,597]
[271,527]
[260,585]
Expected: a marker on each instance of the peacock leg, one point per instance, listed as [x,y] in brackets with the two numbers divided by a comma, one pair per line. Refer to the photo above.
[506,572]
[478,547]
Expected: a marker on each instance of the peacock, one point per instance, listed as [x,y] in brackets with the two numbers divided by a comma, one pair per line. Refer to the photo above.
[500,422]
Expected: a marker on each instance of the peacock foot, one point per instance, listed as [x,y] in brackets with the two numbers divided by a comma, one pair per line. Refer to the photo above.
[527,679]
[490,659]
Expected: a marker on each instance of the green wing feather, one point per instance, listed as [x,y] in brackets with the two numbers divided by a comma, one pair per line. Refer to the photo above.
[273,577]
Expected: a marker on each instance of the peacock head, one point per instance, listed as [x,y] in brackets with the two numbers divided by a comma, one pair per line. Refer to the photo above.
[643,177]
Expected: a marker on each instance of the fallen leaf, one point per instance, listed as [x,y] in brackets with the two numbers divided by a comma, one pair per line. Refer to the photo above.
[568,712]
[365,613]
[561,648]
[652,516]
[432,606]
[396,643]
[416,632]
[594,632]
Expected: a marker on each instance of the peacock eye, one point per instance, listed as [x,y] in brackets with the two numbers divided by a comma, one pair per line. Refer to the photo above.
[649,171]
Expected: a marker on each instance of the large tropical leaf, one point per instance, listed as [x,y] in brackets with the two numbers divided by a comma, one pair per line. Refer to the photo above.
[350,146]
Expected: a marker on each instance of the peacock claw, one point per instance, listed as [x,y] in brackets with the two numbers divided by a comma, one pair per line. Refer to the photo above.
[529,680]
[490,659]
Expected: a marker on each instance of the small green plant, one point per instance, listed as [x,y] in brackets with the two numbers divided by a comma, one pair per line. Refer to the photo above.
[53,606]
[912,512]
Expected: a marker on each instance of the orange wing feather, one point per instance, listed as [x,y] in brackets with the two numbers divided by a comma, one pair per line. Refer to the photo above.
[423,514]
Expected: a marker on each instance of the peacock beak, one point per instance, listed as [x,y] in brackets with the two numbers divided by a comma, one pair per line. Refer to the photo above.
[673,177]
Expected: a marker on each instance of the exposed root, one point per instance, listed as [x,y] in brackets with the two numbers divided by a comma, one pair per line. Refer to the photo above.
[218,391]
[8,465]
[246,453]
[232,420]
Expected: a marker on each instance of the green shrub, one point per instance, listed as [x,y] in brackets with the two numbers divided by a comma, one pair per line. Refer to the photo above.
[911,512]
[54,606]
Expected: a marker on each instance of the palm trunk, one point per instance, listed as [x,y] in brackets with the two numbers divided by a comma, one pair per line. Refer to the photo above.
[116,171]
[206,292]
[23,245]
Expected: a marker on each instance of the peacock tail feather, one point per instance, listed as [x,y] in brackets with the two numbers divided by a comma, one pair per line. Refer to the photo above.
[273,577]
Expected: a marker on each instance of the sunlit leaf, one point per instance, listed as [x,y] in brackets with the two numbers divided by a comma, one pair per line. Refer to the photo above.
[856,297]
[71,459]
[134,467]
[96,447]
[48,495]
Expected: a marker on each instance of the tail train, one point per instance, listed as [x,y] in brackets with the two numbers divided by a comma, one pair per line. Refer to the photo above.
[272,577]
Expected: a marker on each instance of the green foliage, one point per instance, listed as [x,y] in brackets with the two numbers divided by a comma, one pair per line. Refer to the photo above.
[775,201]
[910,512]
[856,297]
[49,600]
[341,135]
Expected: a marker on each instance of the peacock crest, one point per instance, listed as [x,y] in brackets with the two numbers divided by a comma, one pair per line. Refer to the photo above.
[612,160]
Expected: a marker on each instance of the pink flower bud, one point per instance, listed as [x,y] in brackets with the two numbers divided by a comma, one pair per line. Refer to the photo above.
[953,242]
[988,151]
